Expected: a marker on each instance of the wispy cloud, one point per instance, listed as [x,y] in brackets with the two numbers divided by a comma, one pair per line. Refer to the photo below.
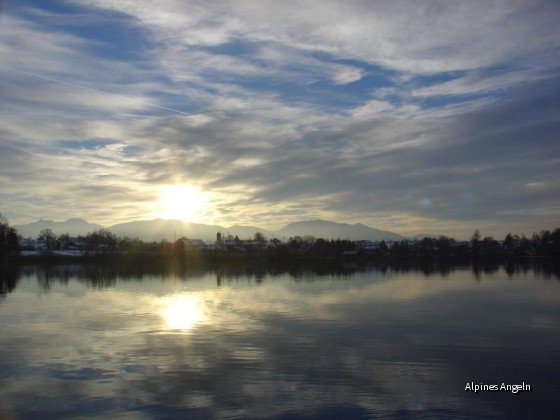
[407,116]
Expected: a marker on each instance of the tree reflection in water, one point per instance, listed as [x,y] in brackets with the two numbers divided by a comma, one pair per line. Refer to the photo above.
[253,340]
[105,275]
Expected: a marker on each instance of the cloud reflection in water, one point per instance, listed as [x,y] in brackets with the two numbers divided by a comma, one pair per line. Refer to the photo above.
[383,343]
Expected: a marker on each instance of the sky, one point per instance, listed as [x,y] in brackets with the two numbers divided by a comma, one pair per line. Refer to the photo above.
[413,116]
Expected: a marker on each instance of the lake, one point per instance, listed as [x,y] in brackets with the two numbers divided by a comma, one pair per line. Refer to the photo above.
[257,342]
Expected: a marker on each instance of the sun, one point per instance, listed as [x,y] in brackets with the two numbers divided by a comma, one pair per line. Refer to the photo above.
[181,202]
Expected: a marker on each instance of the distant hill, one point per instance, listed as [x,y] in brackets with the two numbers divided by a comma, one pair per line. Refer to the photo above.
[163,229]
[421,236]
[158,229]
[246,232]
[332,230]
[73,227]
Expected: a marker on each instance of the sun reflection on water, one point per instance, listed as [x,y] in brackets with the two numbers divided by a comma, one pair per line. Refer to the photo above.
[182,312]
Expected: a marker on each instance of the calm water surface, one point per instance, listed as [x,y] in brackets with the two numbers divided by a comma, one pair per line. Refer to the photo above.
[77,342]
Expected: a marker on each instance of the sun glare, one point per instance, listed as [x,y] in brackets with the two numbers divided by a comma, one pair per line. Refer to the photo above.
[181,312]
[182,202]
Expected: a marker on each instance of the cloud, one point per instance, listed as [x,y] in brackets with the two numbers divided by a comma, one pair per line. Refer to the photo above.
[372,109]
[432,115]
[427,37]
[480,83]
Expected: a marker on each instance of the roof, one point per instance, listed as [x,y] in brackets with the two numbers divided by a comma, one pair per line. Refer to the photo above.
[192,242]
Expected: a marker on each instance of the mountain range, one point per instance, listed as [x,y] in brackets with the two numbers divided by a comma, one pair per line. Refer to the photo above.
[159,229]
[73,227]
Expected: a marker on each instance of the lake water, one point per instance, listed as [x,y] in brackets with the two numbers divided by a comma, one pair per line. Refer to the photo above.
[80,342]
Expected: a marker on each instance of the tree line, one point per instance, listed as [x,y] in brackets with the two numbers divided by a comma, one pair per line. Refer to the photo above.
[103,242]
[9,245]
[542,244]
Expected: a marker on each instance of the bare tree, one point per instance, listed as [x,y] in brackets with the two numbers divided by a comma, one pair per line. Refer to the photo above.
[49,238]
